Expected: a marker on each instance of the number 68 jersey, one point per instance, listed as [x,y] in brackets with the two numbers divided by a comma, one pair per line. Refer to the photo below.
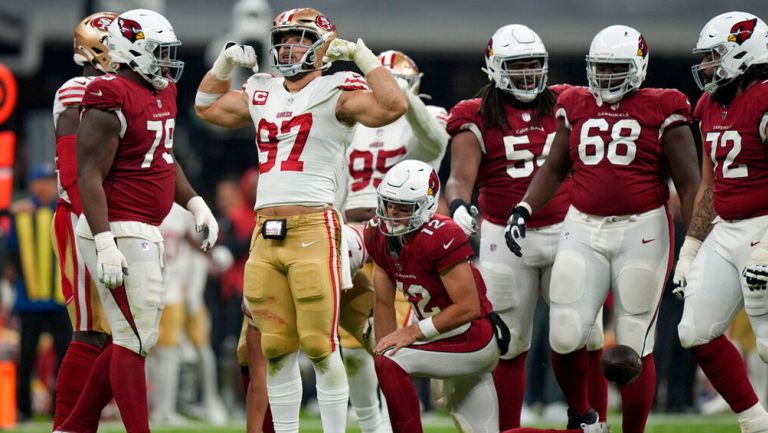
[301,143]
[734,138]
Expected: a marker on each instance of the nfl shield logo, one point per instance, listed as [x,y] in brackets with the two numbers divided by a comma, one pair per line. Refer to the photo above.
[159,103]
[527,116]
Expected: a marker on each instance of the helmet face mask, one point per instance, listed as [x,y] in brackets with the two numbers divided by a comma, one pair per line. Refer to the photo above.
[407,197]
[307,25]
[145,42]
[609,84]
[89,41]
[617,63]
[509,62]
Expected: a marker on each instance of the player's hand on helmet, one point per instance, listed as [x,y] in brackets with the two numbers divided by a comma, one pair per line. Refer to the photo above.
[231,56]
[465,216]
[516,228]
[756,269]
[205,222]
[110,262]
[687,253]
[340,49]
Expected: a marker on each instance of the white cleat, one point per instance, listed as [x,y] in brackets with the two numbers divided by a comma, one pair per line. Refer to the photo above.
[758,425]
[598,427]
[215,413]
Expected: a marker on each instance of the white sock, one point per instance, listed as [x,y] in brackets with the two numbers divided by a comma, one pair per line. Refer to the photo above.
[284,392]
[332,393]
[363,387]
[208,368]
[165,379]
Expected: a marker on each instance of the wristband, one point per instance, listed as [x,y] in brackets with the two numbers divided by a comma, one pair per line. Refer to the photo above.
[204,99]
[428,328]
[526,206]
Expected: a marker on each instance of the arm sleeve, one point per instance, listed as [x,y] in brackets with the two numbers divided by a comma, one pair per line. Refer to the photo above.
[428,129]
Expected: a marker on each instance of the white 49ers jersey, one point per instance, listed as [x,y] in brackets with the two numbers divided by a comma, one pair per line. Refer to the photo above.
[70,94]
[301,143]
[375,150]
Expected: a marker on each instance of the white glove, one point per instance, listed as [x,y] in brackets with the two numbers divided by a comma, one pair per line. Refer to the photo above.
[204,221]
[339,49]
[234,54]
[465,218]
[756,269]
[110,262]
[685,259]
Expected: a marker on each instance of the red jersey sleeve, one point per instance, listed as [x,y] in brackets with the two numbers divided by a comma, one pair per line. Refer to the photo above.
[675,110]
[103,93]
[565,107]
[374,243]
[449,245]
[700,106]
[465,116]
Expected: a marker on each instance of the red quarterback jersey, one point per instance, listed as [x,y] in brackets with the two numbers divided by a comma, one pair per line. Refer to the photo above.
[436,246]
[140,186]
[510,159]
[734,138]
[617,150]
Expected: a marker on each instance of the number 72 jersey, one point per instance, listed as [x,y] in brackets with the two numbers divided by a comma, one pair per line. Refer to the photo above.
[301,143]
[734,138]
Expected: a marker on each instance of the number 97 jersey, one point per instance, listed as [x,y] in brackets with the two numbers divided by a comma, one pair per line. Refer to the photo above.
[735,139]
[617,150]
[302,145]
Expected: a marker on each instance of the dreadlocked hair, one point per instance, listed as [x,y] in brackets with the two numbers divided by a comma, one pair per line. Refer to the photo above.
[494,99]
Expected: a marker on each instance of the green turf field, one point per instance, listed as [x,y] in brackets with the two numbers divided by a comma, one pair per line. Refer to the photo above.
[440,424]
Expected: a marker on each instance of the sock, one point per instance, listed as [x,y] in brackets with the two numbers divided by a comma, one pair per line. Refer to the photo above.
[363,388]
[571,373]
[268,426]
[598,385]
[637,398]
[73,374]
[332,393]
[725,369]
[126,374]
[165,379]
[284,392]
[210,381]
[96,394]
[755,418]
[509,378]
[402,401]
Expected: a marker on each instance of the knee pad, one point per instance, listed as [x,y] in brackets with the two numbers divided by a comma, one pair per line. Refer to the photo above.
[498,278]
[518,343]
[565,330]
[310,285]
[568,274]
[688,337]
[631,331]
[596,337]
[277,345]
[638,288]
[316,346]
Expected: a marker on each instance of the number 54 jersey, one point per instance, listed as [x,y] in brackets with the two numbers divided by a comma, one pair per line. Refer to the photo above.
[734,138]
[301,143]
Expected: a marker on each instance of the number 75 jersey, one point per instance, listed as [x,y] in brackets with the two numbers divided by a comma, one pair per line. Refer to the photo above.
[302,145]
[734,138]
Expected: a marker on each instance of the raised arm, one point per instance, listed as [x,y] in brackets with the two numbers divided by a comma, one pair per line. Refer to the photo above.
[215,103]
[430,132]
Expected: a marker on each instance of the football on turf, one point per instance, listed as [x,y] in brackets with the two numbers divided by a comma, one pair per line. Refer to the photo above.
[621,364]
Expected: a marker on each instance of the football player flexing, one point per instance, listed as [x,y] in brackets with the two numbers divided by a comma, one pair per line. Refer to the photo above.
[506,133]
[427,257]
[728,234]
[304,122]
[617,139]
[89,324]
[419,134]
[125,118]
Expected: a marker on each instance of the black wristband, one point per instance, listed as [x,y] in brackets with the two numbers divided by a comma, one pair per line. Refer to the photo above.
[455,204]
[523,212]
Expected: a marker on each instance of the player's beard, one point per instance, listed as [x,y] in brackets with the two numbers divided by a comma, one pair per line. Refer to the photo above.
[725,94]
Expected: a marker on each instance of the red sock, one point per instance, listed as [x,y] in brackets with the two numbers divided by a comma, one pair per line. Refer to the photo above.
[598,385]
[403,404]
[571,373]
[725,369]
[73,374]
[96,394]
[126,374]
[637,398]
[269,425]
[509,378]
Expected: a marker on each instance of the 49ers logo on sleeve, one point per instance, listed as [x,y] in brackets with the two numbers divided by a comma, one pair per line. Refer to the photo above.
[259,97]
[130,29]
[742,31]
[324,23]
[642,47]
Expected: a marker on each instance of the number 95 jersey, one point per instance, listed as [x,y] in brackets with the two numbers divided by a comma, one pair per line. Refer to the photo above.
[617,150]
[140,186]
[734,138]
[302,145]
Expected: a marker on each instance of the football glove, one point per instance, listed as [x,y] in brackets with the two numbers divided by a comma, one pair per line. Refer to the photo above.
[232,55]
[357,52]
[756,269]
[684,260]
[464,215]
[204,222]
[110,262]
[516,228]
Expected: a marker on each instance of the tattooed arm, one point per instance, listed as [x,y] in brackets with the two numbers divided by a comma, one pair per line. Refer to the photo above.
[703,210]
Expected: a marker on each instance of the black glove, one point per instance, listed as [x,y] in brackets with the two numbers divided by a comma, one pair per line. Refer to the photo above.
[516,229]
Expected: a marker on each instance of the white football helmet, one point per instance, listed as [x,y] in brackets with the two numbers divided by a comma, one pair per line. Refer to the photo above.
[734,42]
[618,45]
[144,41]
[516,42]
[413,183]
